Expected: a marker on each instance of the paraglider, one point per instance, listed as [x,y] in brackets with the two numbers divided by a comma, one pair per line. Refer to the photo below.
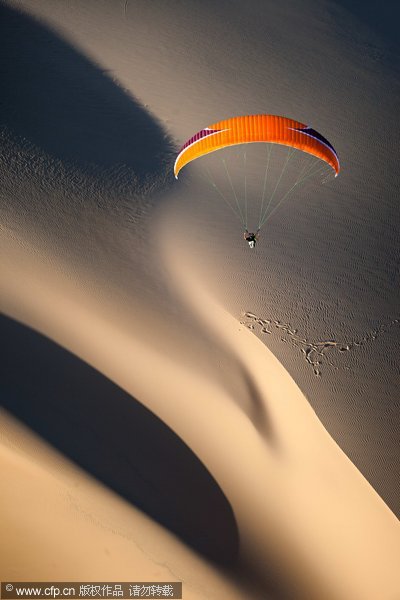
[270,130]
[251,238]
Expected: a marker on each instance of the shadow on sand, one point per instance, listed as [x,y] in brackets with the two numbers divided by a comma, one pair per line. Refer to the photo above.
[114,438]
[382,21]
[68,107]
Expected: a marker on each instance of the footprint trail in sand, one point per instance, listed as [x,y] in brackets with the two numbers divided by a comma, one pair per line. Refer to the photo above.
[315,352]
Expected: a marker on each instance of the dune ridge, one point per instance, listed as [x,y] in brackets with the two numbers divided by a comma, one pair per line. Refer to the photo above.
[147,281]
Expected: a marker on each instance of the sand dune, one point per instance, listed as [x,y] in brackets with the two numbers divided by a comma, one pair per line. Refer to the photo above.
[75,529]
[242,406]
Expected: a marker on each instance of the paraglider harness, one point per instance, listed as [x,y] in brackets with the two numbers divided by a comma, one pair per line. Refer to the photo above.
[251,238]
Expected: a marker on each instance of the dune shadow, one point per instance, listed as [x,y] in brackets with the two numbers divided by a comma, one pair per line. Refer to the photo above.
[70,108]
[383,22]
[258,412]
[116,439]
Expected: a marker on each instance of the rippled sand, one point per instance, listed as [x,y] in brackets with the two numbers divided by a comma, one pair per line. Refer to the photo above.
[178,407]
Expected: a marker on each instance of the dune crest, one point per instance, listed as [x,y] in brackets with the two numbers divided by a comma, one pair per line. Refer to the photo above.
[98,97]
[287,511]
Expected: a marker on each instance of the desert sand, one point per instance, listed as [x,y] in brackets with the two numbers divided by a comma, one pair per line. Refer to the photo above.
[178,407]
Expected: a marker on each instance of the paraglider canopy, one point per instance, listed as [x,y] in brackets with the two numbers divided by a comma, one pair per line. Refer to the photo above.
[309,153]
[257,128]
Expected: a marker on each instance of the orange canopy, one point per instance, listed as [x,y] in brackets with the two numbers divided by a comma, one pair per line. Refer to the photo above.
[257,128]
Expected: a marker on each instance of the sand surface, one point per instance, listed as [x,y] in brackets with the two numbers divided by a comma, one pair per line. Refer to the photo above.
[178,407]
